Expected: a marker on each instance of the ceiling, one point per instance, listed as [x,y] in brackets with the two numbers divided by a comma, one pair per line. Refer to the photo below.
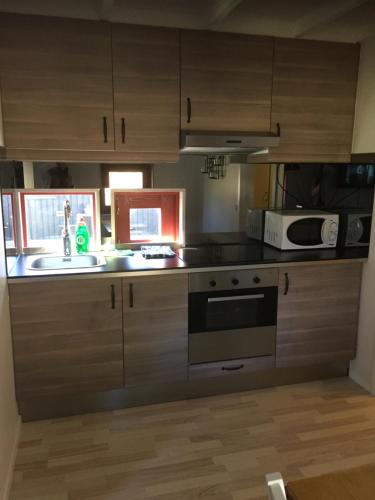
[335,20]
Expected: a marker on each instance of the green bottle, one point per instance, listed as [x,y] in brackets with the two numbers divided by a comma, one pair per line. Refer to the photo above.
[82,237]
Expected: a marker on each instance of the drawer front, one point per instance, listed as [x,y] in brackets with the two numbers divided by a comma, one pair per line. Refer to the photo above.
[209,347]
[233,367]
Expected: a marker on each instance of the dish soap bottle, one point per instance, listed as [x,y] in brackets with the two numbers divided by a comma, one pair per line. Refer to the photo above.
[82,237]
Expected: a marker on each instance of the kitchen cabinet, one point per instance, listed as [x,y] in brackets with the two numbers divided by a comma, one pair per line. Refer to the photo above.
[313,99]
[146,89]
[317,314]
[67,336]
[155,329]
[226,81]
[56,77]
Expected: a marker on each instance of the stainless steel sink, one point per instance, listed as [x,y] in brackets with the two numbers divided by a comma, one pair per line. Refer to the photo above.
[50,262]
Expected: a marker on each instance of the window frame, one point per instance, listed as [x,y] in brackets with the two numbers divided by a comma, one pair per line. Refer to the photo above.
[21,213]
[14,250]
[180,239]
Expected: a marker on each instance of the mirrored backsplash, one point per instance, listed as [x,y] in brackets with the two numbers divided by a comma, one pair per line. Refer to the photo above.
[213,206]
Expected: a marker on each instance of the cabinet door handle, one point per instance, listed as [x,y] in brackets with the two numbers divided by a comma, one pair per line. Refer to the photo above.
[105,129]
[232,368]
[286,288]
[188,103]
[123,130]
[113,297]
[131,295]
[278,129]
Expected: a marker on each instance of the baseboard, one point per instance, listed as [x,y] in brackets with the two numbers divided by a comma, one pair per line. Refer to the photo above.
[12,461]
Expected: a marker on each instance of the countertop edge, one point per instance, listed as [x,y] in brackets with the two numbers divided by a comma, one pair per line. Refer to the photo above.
[14,280]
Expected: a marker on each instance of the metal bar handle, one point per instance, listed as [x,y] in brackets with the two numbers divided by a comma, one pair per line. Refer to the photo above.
[188,102]
[286,289]
[131,295]
[113,297]
[232,368]
[123,130]
[105,129]
[236,297]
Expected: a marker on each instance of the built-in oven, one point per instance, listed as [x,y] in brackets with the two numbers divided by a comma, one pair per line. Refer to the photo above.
[232,314]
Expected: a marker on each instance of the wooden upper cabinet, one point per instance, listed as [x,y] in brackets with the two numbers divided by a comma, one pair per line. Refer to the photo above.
[67,336]
[314,91]
[155,329]
[56,77]
[146,89]
[226,81]
[317,317]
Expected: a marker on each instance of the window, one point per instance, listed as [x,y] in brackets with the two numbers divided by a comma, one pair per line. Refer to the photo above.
[123,177]
[8,220]
[42,213]
[145,224]
[148,215]
[122,180]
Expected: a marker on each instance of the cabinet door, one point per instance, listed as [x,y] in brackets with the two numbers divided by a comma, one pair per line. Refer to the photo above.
[225,81]
[313,99]
[67,336]
[155,329]
[146,88]
[318,314]
[56,77]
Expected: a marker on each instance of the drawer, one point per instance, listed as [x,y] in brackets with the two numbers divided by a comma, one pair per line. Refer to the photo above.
[232,367]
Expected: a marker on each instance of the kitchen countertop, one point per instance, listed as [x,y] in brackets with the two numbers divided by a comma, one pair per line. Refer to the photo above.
[200,255]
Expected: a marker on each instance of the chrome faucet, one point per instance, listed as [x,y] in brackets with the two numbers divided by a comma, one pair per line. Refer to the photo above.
[66,231]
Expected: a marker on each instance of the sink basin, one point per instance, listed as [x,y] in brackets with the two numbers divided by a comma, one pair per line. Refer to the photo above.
[61,262]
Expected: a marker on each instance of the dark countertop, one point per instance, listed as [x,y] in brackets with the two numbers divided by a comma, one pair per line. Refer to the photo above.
[235,250]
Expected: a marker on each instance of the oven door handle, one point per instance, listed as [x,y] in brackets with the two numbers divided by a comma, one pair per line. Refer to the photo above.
[236,297]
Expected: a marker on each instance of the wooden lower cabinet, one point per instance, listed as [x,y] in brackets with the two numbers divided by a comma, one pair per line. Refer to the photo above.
[67,336]
[155,329]
[317,314]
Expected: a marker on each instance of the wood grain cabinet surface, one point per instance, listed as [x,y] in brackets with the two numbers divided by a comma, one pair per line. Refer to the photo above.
[226,81]
[317,314]
[155,329]
[56,77]
[313,99]
[67,336]
[146,88]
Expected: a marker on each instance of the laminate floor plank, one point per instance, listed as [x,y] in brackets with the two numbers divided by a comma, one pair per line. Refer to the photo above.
[217,448]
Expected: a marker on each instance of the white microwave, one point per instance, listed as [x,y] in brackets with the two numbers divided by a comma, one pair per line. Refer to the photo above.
[300,229]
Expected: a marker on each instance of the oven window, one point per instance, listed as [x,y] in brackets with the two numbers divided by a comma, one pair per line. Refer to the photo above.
[232,310]
[306,232]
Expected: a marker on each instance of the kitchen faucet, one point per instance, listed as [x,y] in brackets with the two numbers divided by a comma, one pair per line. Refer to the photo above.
[66,231]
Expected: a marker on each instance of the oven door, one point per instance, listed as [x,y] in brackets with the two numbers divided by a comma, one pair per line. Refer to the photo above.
[232,324]
[306,232]
[230,310]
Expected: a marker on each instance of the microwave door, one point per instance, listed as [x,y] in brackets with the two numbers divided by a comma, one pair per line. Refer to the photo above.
[306,232]
[366,230]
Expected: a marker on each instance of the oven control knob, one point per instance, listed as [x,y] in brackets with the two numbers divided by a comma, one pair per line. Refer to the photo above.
[212,283]
[235,281]
[256,279]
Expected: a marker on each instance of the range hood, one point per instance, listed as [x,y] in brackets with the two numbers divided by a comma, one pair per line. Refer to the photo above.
[224,143]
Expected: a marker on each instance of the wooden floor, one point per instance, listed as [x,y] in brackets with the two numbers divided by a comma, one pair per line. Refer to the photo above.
[215,448]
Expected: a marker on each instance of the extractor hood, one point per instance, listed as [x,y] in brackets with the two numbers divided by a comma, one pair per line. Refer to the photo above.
[224,143]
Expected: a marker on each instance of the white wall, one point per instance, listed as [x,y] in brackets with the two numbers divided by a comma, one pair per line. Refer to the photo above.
[9,420]
[362,369]
[221,199]
[184,174]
